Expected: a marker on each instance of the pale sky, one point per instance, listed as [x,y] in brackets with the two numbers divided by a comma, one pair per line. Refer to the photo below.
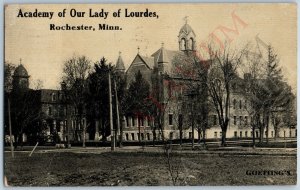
[43,51]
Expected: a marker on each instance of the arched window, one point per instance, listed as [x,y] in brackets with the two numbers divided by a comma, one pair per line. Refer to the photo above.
[234,103]
[192,43]
[183,44]
[53,97]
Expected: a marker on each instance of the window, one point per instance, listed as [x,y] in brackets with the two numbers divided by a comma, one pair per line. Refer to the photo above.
[246,134]
[240,104]
[60,96]
[127,121]
[142,136]
[159,136]
[241,134]
[283,133]
[235,134]
[170,119]
[256,134]
[50,110]
[183,44]
[132,136]
[272,133]
[234,103]
[192,43]
[126,137]
[290,133]
[180,121]
[245,105]
[216,134]
[171,135]
[241,120]
[133,121]
[221,134]
[215,119]
[246,120]
[148,136]
[142,121]
[53,96]
[234,120]
[190,135]
[79,126]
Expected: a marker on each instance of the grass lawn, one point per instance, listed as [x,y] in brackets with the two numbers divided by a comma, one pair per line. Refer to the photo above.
[134,168]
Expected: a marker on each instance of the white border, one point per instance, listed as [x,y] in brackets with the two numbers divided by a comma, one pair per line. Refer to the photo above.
[3,2]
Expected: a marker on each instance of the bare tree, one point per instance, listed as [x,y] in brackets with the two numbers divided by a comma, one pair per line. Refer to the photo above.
[75,73]
[222,72]
[38,84]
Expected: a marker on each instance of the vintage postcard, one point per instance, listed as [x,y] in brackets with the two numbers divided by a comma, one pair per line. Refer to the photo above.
[150,94]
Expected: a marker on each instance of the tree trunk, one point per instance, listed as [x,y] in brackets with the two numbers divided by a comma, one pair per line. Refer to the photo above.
[204,134]
[253,136]
[20,140]
[267,128]
[15,141]
[224,130]
[276,135]
[121,132]
[180,128]
[261,136]
[102,130]
[84,132]
[193,129]
[162,133]
[199,133]
[139,127]
[180,135]
[154,136]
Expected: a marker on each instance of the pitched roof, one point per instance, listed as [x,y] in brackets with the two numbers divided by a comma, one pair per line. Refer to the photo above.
[120,64]
[163,55]
[148,60]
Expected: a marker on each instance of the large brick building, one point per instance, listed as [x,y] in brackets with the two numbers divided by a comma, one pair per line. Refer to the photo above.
[172,80]
[176,77]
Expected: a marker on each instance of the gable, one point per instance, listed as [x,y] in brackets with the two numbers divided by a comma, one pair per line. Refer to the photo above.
[141,61]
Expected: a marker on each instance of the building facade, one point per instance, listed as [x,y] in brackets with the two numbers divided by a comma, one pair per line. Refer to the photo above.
[173,81]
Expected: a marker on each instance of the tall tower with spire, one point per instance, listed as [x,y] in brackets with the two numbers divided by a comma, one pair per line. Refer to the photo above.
[120,67]
[187,37]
